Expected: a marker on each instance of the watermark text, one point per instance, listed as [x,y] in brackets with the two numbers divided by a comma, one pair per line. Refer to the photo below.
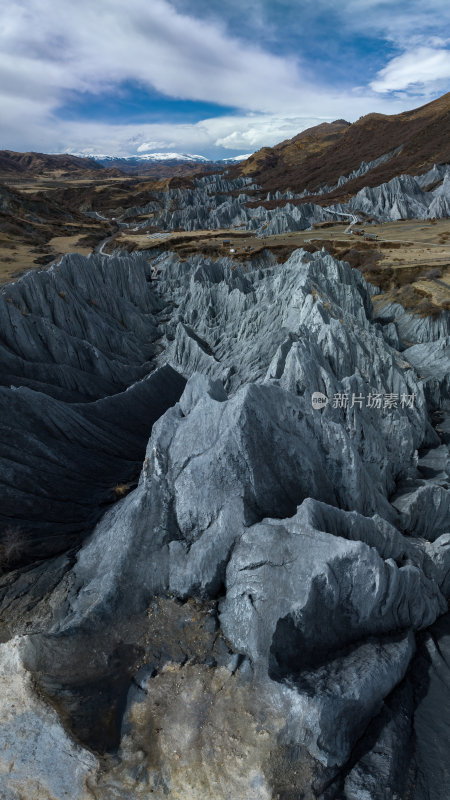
[378,400]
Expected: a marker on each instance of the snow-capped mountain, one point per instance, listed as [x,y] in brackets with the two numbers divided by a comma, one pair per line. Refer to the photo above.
[156,158]
[235,159]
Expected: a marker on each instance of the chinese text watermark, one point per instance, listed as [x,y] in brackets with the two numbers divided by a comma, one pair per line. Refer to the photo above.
[378,400]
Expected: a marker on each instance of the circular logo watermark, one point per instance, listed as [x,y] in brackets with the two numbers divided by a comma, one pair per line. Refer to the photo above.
[318,400]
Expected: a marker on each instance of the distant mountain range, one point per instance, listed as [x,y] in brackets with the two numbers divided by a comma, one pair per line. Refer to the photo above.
[14,164]
[155,158]
[159,164]
[74,165]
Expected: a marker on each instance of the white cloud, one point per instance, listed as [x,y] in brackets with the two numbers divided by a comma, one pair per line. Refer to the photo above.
[405,22]
[419,67]
[256,131]
[50,49]
[31,126]
[90,46]
[245,132]
[215,135]
[158,144]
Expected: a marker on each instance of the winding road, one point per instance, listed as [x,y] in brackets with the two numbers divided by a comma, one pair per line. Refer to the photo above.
[353,218]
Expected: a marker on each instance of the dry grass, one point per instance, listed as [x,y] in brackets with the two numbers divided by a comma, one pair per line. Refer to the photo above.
[15,259]
[69,244]
[18,257]
[121,490]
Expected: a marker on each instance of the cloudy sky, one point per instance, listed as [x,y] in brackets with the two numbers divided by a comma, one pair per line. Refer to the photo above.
[214,77]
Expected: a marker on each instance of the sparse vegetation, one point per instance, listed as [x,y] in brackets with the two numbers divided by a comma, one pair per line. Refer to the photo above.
[14,545]
[121,490]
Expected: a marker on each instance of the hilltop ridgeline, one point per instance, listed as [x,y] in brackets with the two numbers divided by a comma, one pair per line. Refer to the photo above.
[320,155]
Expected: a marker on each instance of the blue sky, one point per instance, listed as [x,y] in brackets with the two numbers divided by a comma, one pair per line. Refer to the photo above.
[207,76]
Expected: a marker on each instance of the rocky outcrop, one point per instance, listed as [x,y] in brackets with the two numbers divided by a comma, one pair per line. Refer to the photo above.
[62,463]
[430,360]
[402,198]
[38,758]
[414,329]
[434,176]
[73,338]
[81,330]
[251,620]
[216,202]
[363,169]
[209,193]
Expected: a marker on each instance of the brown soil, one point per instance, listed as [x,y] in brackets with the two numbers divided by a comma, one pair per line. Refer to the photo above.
[38,227]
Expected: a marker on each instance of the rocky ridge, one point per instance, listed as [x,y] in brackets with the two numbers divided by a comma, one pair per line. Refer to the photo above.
[216,202]
[265,614]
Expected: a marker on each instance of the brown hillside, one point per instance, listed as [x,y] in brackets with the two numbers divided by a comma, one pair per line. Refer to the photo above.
[25,164]
[322,154]
[292,153]
[165,169]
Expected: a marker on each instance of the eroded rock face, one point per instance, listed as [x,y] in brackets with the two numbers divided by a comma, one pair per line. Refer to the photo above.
[413,330]
[214,204]
[73,459]
[401,198]
[250,621]
[79,394]
[38,758]
[431,362]
[81,330]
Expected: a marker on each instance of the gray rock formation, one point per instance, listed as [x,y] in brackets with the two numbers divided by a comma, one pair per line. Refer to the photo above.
[73,459]
[38,758]
[73,338]
[413,329]
[298,600]
[434,176]
[81,330]
[431,719]
[253,620]
[363,169]
[405,197]
[215,203]
[430,360]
